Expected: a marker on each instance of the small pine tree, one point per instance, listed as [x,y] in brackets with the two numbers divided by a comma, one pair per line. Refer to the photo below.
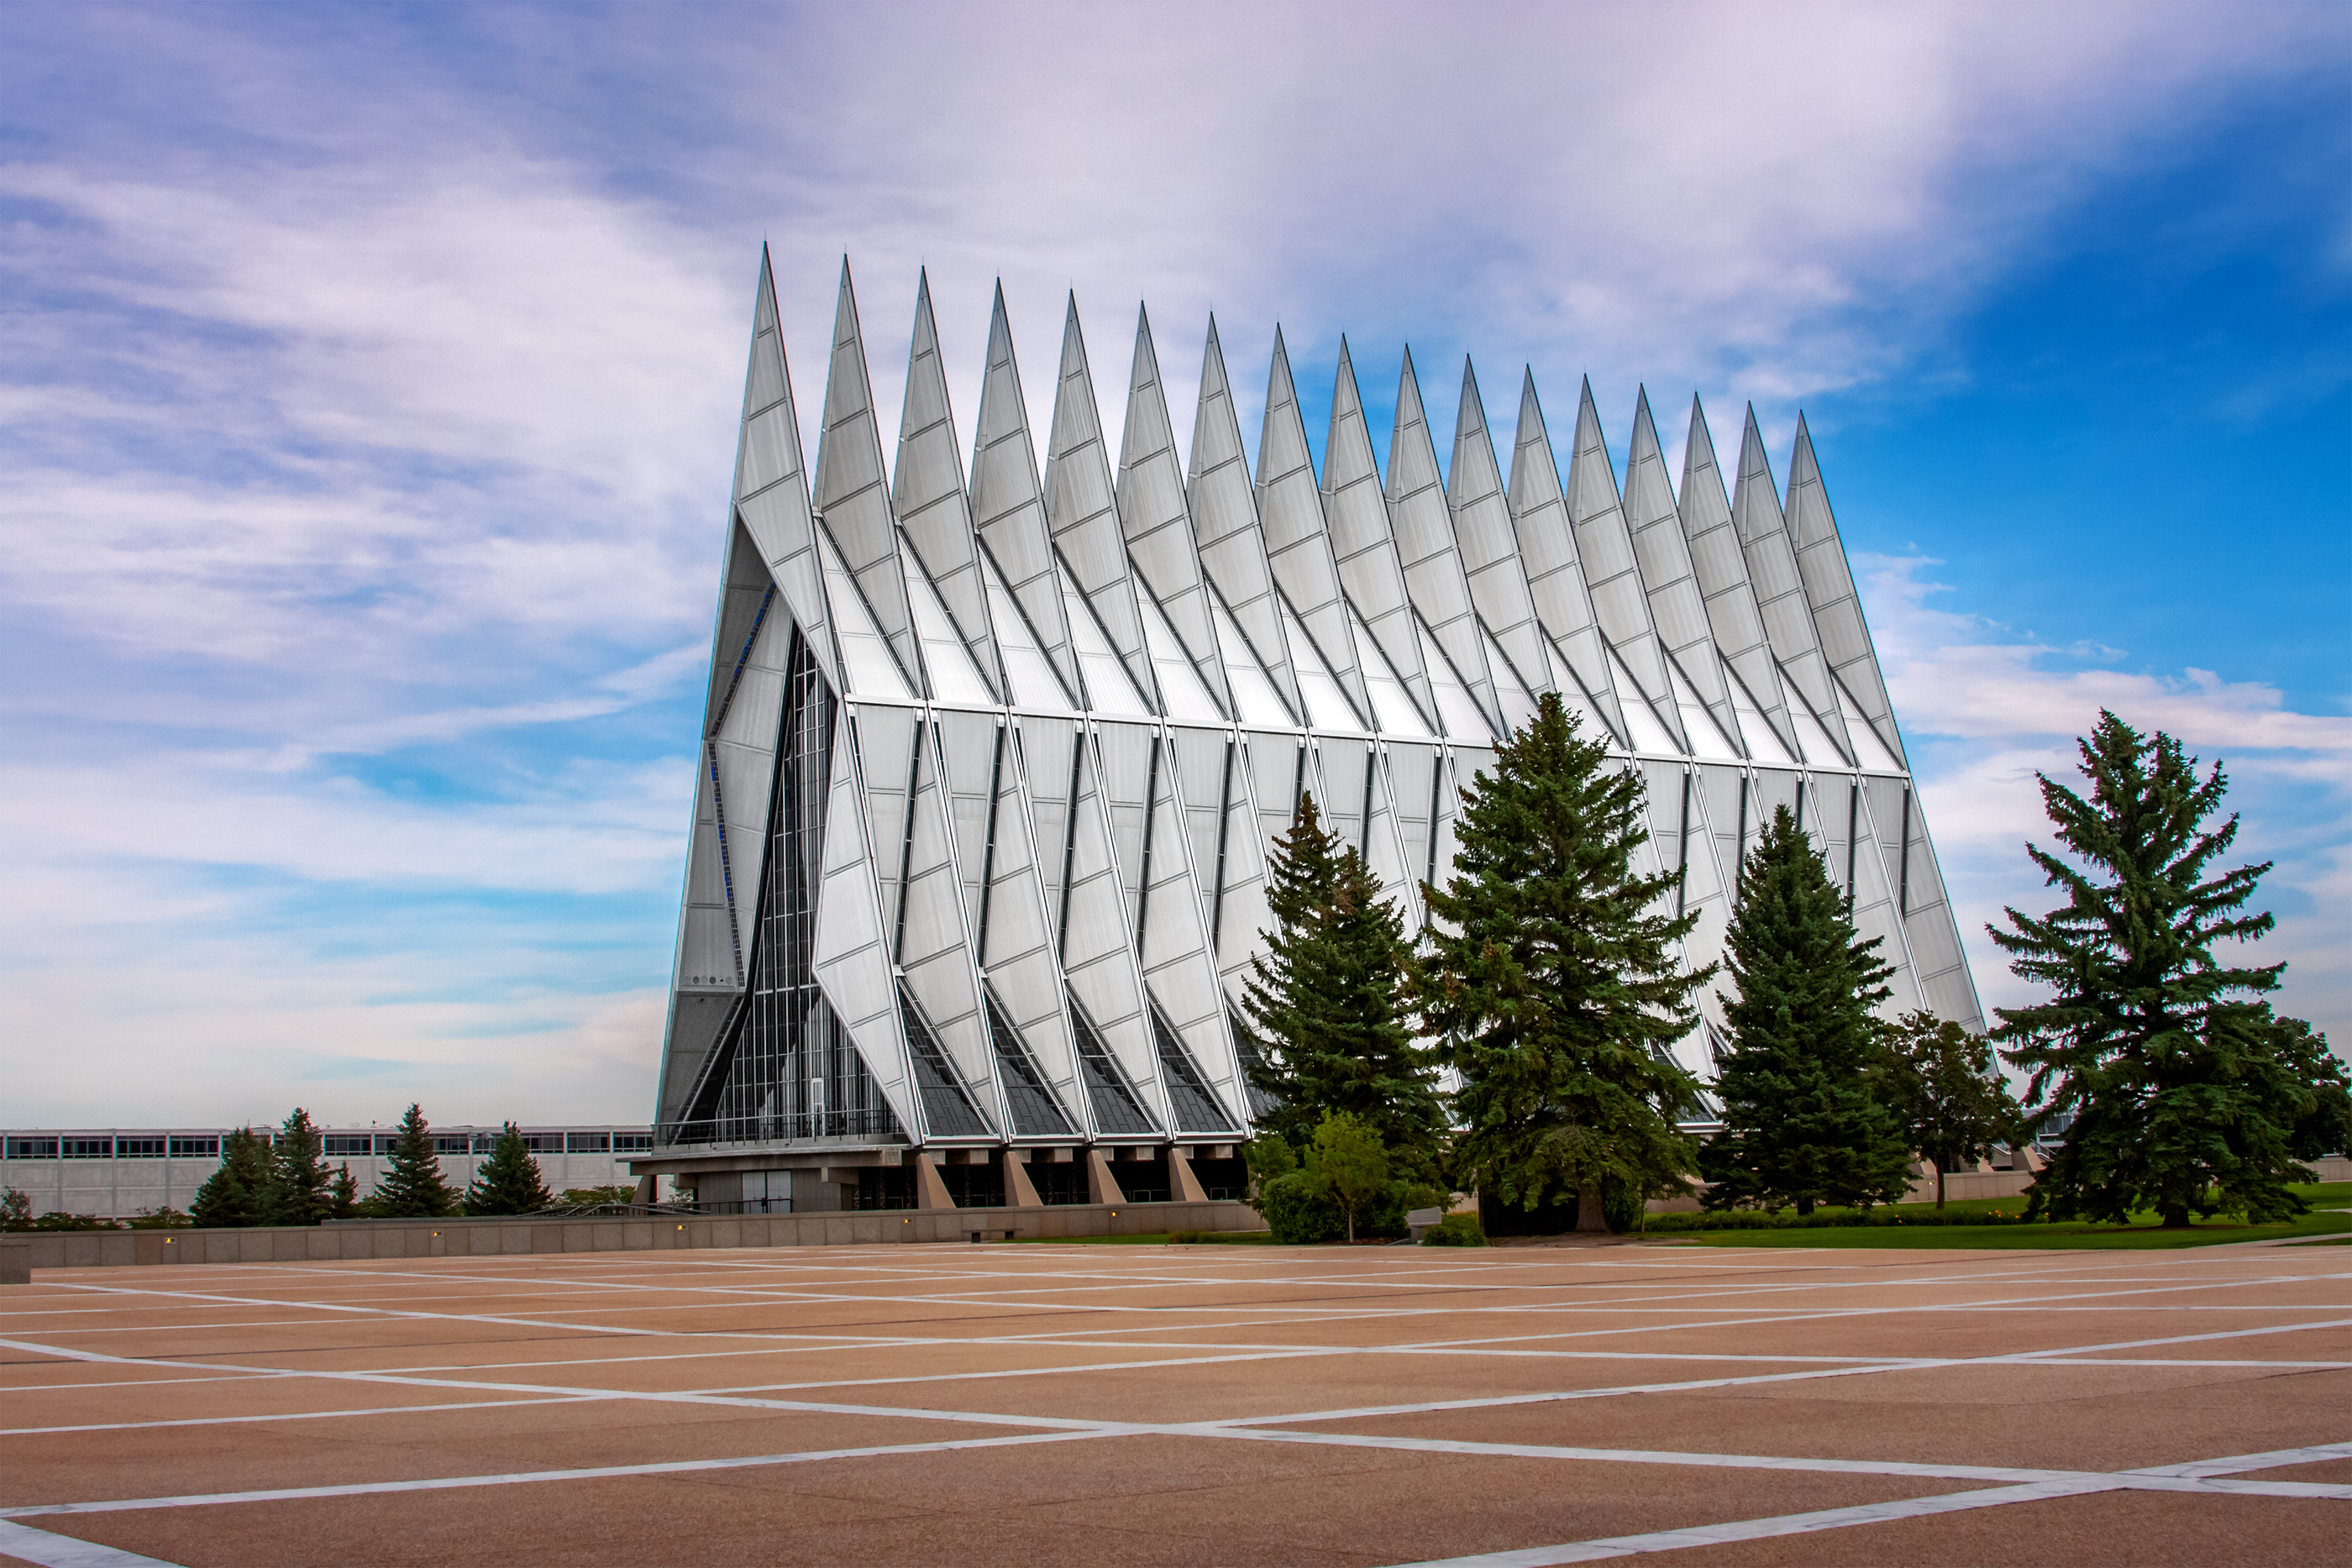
[412,1186]
[16,1210]
[1326,1003]
[239,1193]
[1557,992]
[344,1201]
[1804,1119]
[1948,1092]
[301,1190]
[509,1181]
[2186,1091]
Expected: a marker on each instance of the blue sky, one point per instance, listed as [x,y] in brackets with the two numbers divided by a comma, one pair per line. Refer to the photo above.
[367,412]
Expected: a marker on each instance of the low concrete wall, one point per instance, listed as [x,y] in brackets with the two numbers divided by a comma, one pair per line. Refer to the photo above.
[361,1240]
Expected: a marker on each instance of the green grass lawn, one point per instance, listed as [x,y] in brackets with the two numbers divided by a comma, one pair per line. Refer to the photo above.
[2327,1219]
[1154,1238]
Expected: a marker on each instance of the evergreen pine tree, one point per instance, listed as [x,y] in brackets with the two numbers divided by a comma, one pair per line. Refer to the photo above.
[509,1181]
[1325,1005]
[1803,1105]
[1557,993]
[412,1186]
[343,1198]
[1949,1093]
[301,1190]
[238,1194]
[2185,1090]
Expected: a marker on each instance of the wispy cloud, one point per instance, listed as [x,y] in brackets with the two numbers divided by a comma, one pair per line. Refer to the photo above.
[368,409]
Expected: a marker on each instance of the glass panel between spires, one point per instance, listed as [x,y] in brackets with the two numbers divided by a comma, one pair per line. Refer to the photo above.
[1326,705]
[1179,683]
[1253,691]
[866,660]
[1707,737]
[1764,746]
[945,658]
[1117,1110]
[1196,1109]
[1107,685]
[1644,728]
[1455,708]
[1029,1105]
[1394,710]
[1815,741]
[1875,756]
[1518,703]
[1035,684]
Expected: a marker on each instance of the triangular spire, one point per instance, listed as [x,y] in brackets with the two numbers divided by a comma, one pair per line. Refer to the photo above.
[1298,540]
[1663,554]
[1357,514]
[1082,511]
[1422,521]
[851,490]
[1489,547]
[771,483]
[1548,546]
[1225,525]
[1605,546]
[1781,587]
[1157,524]
[928,495]
[1008,504]
[1722,569]
[1829,586]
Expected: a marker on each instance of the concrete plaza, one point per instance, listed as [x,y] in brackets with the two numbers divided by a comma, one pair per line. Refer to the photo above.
[1024,1402]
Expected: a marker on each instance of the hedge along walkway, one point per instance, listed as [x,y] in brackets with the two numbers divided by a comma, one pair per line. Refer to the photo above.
[2318,1224]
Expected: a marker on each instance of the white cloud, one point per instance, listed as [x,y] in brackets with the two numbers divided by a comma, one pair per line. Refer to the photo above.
[354,411]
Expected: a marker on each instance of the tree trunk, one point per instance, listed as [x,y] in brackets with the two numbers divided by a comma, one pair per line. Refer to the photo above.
[1589,1215]
[1940,1188]
[1352,1227]
[2176,1220]
[1804,1206]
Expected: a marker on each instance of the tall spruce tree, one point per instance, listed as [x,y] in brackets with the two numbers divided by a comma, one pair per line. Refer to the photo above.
[1324,1003]
[302,1187]
[1804,1116]
[1556,990]
[239,1193]
[1947,1091]
[412,1185]
[509,1181]
[2185,1090]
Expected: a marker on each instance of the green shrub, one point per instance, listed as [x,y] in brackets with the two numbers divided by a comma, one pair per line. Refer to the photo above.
[1455,1231]
[1299,1210]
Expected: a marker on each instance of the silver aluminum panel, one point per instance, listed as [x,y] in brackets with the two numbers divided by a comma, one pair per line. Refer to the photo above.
[1355,514]
[1422,521]
[927,495]
[1232,545]
[853,493]
[1298,540]
[1157,523]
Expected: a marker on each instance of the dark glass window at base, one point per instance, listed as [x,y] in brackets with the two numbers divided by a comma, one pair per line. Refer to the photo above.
[785,1067]
[1058,1181]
